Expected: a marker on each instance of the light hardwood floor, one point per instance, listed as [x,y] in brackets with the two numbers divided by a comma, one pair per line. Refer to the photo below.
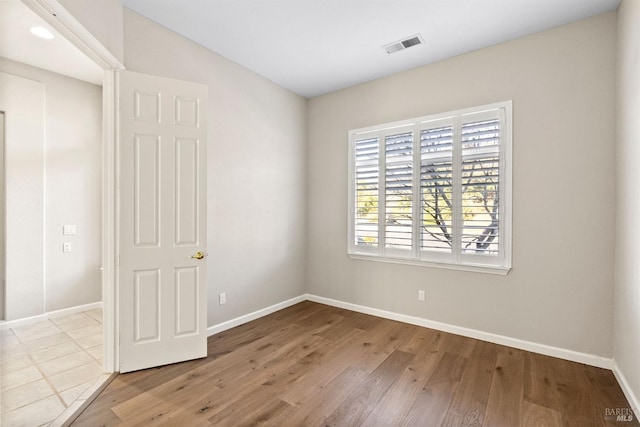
[315,365]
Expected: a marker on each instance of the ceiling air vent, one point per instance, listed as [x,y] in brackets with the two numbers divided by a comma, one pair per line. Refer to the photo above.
[414,40]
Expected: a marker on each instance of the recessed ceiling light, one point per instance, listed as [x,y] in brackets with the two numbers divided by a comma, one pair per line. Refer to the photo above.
[42,32]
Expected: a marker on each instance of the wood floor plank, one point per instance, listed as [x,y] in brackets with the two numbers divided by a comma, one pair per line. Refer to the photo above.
[227,342]
[337,356]
[378,338]
[364,351]
[249,360]
[433,399]
[208,397]
[423,341]
[534,415]
[346,325]
[462,346]
[609,395]
[470,398]
[192,383]
[400,335]
[539,384]
[251,410]
[318,319]
[357,406]
[129,386]
[427,346]
[575,397]
[504,406]
[104,418]
[264,416]
[315,365]
[297,311]
[359,320]
[326,399]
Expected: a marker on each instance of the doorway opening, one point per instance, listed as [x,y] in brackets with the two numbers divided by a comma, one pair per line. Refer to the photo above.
[2,203]
[60,326]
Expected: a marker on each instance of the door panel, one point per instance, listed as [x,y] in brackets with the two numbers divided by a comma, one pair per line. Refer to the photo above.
[146,176]
[186,301]
[162,285]
[147,305]
[186,167]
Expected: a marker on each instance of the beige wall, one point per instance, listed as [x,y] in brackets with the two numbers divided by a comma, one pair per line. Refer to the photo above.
[103,19]
[627,291]
[560,291]
[256,174]
[23,101]
[71,172]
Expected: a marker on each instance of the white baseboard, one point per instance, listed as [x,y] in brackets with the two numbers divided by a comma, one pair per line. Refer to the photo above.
[575,356]
[49,315]
[587,359]
[220,327]
[633,399]
[74,310]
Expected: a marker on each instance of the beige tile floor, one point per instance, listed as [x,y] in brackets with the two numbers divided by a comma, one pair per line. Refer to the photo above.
[46,366]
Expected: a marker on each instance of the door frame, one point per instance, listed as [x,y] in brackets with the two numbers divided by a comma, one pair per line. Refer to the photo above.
[70,28]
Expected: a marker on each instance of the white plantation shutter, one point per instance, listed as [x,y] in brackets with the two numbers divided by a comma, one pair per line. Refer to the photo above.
[399,191]
[436,186]
[434,190]
[480,180]
[366,154]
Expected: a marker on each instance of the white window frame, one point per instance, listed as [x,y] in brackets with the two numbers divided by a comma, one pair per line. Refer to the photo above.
[457,258]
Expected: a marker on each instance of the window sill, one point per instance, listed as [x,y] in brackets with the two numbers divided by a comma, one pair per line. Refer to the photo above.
[487,269]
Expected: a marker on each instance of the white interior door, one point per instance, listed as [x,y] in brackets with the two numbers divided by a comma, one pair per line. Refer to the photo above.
[162,238]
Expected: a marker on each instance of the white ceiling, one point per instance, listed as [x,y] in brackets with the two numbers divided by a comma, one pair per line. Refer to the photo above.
[57,55]
[314,47]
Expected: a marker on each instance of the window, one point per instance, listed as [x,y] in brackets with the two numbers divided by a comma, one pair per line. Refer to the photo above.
[434,190]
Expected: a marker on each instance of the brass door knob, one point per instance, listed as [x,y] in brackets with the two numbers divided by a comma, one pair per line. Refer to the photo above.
[198,255]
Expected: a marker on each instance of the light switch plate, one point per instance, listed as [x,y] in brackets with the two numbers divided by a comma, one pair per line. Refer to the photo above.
[69,230]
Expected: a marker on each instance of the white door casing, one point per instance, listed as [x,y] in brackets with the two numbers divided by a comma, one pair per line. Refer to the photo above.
[162,185]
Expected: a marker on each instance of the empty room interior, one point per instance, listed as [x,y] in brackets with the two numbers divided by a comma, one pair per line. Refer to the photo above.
[320,213]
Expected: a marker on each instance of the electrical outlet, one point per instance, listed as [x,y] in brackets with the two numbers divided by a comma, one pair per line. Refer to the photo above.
[421,295]
[66,247]
[223,298]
